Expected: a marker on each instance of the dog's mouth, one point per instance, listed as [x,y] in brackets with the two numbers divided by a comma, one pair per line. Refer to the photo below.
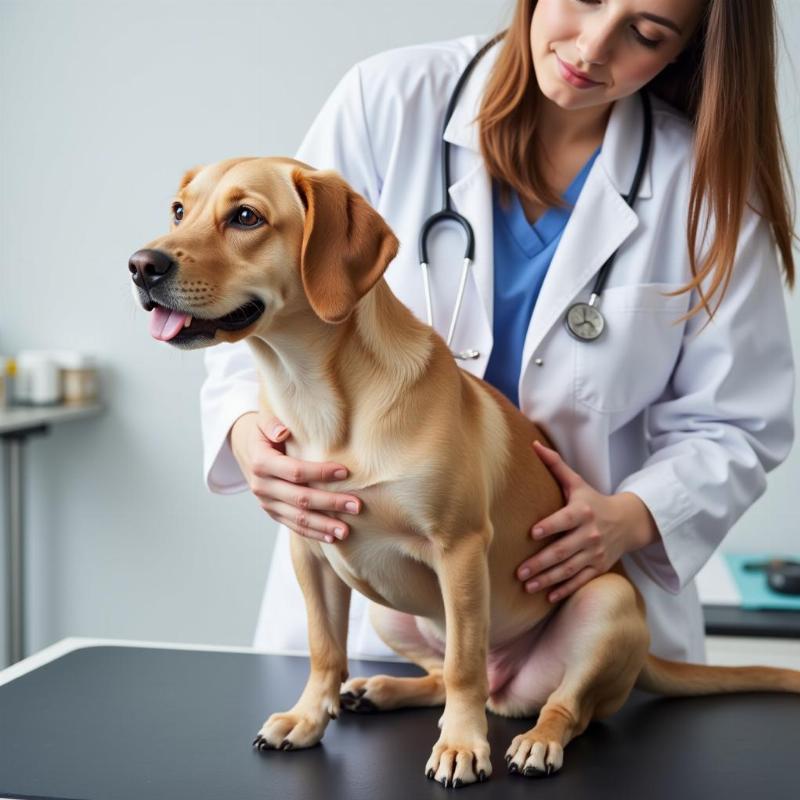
[177,327]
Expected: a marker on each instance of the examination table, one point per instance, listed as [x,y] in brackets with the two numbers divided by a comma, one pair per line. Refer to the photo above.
[154,723]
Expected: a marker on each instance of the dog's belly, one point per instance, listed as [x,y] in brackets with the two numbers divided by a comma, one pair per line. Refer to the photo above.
[385,567]
[534,668]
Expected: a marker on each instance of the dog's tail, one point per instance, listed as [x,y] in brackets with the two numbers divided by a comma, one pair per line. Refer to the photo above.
[679,679]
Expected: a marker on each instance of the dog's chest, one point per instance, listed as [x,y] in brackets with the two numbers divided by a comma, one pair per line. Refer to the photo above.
[386,558]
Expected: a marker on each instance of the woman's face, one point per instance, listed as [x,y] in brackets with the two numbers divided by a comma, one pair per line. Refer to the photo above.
[619,44]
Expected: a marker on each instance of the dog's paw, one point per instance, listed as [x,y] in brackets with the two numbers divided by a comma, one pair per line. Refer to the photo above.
[366,695]
[290,731]
[529,754]
[456,763]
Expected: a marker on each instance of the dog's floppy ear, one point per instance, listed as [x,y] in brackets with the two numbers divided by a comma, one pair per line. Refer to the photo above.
[347,245]
[189,176]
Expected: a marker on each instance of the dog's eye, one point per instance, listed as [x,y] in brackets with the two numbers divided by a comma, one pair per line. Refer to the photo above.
[177,212]
[245,217]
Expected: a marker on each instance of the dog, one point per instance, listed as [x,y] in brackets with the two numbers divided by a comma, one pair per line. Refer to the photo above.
[291,259]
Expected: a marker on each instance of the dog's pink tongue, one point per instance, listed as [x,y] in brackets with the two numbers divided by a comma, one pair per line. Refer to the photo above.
[166,324]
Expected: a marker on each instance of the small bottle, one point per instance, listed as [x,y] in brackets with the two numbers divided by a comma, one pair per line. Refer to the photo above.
[79,377]
[11,380]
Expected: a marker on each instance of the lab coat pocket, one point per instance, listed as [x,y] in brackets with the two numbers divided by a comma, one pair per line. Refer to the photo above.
[629,365]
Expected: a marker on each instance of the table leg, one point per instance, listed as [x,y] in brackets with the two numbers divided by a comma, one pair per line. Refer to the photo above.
[13,452]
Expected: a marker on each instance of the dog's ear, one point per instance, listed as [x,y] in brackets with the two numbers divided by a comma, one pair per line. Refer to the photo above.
[189,176]
[347,245]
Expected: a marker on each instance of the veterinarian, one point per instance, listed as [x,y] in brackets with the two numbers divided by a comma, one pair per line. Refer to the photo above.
[669,420]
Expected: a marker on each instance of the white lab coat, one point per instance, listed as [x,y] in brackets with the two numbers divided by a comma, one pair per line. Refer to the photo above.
[690,423]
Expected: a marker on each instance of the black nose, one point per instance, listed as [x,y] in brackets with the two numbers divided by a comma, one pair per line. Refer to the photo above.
[148,267]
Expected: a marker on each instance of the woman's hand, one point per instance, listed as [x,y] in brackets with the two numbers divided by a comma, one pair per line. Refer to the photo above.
[597,529]
[279,482]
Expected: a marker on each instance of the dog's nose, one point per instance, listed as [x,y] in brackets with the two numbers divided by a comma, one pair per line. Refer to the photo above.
[148,267]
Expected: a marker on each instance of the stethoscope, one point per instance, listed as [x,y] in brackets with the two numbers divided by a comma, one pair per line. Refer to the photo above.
[584,321]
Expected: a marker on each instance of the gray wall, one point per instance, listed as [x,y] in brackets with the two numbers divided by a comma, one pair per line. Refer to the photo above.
[103,105]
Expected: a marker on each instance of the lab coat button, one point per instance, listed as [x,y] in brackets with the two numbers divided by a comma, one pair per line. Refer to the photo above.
[538,362]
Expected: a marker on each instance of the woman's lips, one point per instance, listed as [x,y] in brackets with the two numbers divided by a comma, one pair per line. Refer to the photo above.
[571,77]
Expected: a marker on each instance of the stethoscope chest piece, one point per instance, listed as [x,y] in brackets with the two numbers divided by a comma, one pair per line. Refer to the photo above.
[584,320]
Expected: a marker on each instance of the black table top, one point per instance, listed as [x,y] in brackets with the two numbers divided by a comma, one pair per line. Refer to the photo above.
[735,621]
[125,723]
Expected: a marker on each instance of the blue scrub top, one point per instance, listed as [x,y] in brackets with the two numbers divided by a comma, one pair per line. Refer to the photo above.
[522,256]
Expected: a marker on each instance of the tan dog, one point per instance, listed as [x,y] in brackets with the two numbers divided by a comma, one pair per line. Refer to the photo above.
[292,259]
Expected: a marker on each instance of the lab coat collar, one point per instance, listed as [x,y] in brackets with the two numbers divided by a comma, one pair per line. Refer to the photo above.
[618,154]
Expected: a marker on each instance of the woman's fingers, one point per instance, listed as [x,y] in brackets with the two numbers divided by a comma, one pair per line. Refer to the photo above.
[274,429]
[306,523]
[561,572]
[553,555]
[565,519]
[565,589]
[275,464]
[566,476]
[304,497]
[280,484]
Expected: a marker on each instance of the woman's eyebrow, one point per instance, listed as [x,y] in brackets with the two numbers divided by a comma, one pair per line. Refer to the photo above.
[667,23]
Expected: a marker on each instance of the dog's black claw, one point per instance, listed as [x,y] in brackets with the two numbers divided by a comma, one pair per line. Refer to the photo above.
[430,773]
[286,745]
[508,757]
[444,781]
[550,769]
[458,783]
[357,703]
[529,771]
[255,741]
[512,768]
[482,776]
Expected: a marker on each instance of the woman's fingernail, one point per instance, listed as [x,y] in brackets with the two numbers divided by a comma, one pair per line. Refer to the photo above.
[278,430]
[351,507]
[537,532]
[339,532]
[329,539]
[532,586]
[524,573]
[340,473]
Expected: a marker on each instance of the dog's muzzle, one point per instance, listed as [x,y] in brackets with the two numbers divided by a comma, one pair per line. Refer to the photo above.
[149,269]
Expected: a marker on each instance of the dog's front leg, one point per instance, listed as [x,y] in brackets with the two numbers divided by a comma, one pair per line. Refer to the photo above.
[327,606]
[461,755]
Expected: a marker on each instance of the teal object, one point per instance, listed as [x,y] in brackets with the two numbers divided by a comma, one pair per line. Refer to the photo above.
[753,587]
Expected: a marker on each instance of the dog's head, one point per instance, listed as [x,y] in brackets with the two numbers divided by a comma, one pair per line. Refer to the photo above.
[253,240]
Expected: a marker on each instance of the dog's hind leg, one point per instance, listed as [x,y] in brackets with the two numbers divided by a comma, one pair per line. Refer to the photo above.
[600,635]
[384,692]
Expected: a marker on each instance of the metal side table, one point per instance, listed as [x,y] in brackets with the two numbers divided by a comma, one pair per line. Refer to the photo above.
[17,424]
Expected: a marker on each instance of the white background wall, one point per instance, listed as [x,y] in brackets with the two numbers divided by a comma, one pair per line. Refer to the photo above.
[103,105]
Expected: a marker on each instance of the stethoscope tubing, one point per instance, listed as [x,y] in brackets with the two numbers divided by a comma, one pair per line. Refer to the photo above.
[448,214]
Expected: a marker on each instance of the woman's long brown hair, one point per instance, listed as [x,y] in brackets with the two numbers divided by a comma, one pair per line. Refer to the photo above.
[723,81]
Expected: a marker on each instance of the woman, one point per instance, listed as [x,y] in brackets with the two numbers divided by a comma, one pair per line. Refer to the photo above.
[670,420]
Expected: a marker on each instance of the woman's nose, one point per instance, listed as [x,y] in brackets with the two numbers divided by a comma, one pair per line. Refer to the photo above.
[594,42]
